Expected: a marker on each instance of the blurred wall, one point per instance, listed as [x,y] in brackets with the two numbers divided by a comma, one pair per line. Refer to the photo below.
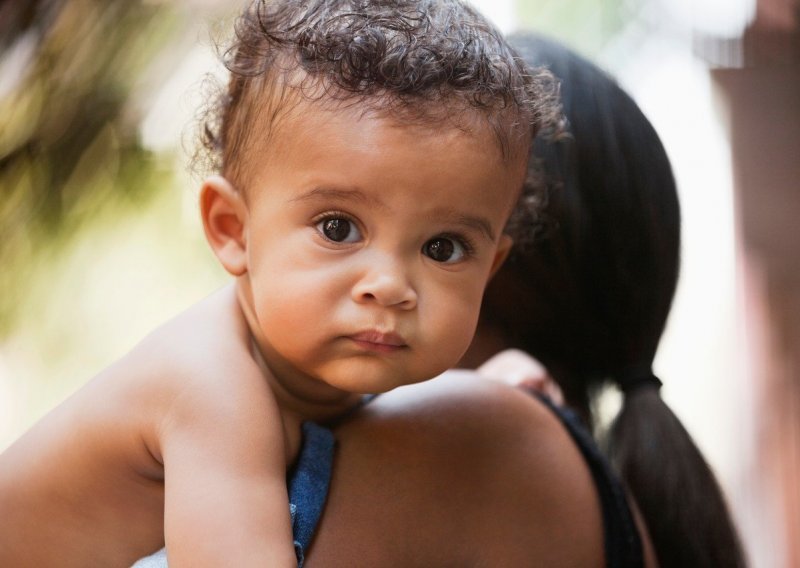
[761,103]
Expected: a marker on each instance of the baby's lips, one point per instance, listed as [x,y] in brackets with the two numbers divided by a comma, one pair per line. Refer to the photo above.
[389,338]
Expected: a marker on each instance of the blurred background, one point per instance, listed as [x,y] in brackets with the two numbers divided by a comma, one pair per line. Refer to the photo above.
[100,239]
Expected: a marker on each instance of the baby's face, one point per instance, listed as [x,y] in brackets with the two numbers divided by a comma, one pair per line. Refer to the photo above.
[369,245]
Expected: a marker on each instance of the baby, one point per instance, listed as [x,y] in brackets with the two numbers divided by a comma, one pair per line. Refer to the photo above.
[370,155]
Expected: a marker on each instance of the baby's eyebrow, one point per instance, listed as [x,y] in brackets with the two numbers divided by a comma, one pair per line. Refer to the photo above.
[474,222]
[353,194]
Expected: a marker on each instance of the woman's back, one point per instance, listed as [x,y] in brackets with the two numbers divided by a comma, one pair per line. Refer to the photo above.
[460,471]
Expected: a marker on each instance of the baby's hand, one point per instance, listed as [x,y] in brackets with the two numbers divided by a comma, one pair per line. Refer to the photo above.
[517,368]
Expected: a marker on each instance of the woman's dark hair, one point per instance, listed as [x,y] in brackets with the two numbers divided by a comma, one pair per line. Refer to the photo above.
[591,297]
[418,60]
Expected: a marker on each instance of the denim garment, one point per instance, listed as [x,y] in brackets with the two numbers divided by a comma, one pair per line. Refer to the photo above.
[308,490]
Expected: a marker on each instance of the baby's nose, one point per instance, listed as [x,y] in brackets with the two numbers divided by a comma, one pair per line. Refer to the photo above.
[386,284]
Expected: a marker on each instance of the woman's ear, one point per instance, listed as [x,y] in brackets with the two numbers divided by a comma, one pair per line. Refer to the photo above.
[224,214]
[503,248]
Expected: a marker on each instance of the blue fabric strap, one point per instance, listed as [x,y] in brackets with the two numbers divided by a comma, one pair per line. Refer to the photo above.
[308,485]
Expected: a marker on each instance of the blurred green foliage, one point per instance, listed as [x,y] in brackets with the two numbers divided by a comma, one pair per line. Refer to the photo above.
[69,145]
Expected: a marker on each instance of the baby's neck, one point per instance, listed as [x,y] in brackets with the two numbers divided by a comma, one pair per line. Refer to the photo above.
[304,398]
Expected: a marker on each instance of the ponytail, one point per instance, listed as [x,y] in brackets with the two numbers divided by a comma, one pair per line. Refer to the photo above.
[673,486]
[591,297]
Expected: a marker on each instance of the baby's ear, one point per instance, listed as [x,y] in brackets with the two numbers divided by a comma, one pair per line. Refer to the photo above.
[224,214]
[503,248]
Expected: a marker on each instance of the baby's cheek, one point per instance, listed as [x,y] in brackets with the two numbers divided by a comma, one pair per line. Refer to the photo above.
[283,314]
[456,330]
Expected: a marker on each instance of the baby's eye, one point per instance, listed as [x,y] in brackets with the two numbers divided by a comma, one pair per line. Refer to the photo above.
[444,249]
[339,230]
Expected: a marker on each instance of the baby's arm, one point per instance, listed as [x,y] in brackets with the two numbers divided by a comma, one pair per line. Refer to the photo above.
[222,446]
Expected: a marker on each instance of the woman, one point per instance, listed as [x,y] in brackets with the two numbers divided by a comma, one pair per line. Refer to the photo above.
[599,291]
[589,299]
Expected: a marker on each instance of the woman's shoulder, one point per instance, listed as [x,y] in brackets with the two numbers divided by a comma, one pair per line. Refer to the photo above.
[461,470]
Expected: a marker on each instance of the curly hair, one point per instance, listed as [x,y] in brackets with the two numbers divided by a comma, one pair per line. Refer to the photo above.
[423,61]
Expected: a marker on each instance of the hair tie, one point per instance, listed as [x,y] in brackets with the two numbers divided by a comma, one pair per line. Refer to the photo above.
[637,378]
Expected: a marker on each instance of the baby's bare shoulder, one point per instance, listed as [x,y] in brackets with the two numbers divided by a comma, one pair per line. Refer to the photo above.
[209,335]
[115,420]
[197,369]
[86,481]
[202,353]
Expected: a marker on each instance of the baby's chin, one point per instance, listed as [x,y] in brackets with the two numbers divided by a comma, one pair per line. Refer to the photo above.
[370,378]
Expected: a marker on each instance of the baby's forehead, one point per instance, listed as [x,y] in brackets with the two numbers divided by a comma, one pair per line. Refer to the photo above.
[283,124]
[340,153]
